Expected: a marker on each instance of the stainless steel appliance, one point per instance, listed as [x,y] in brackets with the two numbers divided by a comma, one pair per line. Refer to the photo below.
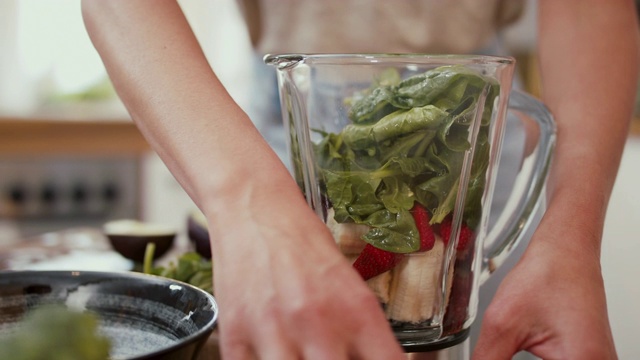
[42,194]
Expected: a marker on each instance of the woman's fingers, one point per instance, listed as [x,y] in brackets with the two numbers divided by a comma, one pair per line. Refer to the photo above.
[378,344]
[359,332]
[498,336]
[342,320]
[235,348]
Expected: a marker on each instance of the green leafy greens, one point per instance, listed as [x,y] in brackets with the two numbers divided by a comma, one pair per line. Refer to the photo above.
[54,332]
[189,267]
[406,143]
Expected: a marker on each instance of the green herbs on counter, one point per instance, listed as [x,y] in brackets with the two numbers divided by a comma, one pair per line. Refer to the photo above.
[190,268]
[56,333]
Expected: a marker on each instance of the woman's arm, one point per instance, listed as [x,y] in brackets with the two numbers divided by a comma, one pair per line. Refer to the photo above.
[285,291]
[169,89]
[553,302]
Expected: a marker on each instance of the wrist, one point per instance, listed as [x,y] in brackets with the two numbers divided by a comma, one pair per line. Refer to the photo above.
[573,222]
[256,194]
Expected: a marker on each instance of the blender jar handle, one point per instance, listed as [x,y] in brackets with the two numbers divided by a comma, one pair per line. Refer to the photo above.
[529,189]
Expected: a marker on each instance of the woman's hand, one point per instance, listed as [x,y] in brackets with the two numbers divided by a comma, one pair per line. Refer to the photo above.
[285,290]
[552,303]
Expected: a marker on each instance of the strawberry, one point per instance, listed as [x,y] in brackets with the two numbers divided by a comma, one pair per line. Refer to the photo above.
[421,217]
[373,261]
[458,307]
[465,236]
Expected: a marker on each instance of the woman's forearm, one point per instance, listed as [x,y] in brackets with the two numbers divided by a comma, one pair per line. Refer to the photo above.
[172,94]
[589,63]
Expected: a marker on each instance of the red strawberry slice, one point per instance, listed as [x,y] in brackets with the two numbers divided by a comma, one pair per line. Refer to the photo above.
[373,261]
[421,217]
[465,236]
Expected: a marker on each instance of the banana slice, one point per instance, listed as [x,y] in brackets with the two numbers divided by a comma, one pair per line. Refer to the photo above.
[348,236]
[415,286]
[380,284]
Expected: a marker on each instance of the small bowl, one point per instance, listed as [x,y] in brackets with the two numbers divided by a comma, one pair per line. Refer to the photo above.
[198,233]
[143,316]
[130,238]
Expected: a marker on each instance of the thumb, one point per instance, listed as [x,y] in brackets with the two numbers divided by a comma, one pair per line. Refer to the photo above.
[498,338]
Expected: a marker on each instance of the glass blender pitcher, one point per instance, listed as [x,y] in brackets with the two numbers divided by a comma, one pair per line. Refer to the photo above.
[398,155]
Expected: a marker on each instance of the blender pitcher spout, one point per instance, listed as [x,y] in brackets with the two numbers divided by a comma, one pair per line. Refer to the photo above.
[282,62]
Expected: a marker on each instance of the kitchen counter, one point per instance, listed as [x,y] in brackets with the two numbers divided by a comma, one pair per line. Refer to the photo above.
[74,249]
[80,248]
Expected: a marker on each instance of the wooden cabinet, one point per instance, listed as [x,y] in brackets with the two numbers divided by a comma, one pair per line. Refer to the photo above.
[43,137]
[57,173]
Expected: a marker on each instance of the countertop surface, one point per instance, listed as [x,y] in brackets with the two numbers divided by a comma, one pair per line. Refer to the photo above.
[74,249]
[81,249]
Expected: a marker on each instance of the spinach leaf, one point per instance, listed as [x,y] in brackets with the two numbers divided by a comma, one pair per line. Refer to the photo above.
[441,84]
[373,106]
[373,103]
[438,193]
[395,232]
[406,143]
[398,123]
